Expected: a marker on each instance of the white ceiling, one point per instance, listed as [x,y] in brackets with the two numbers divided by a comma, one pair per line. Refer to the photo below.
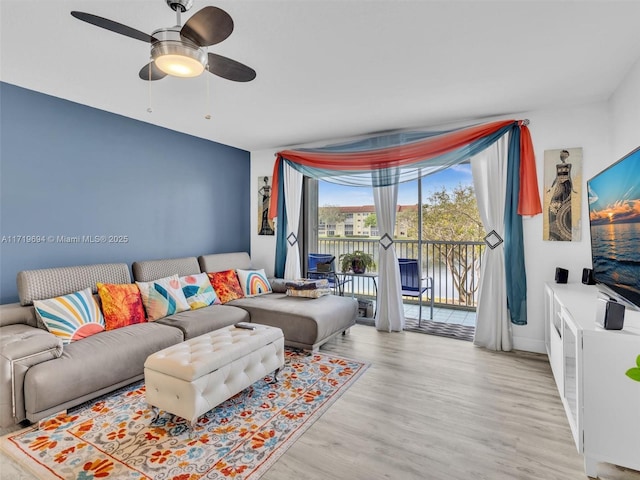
[330,69]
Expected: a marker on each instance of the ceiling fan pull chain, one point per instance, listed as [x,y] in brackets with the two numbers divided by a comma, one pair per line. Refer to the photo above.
[208,109]
[149,108]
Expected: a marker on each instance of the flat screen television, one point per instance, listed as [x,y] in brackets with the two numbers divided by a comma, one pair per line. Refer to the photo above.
[614,220]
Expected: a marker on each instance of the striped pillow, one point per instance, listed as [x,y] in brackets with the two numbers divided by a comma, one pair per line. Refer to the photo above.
[71,317]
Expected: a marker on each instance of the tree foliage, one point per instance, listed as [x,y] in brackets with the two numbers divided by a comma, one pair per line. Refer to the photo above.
[446,216]
[371,220]
[451,216]
[331,214]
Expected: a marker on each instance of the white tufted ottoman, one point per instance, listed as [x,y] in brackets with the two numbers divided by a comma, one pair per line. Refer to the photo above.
[192,377]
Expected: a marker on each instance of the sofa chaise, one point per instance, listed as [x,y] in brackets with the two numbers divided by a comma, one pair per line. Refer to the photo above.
[39,376]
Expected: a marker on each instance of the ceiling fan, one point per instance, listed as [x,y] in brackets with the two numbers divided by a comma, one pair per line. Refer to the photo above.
[178,50]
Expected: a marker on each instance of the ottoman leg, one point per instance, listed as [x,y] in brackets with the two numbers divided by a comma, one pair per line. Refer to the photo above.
[275,376]
[156,414]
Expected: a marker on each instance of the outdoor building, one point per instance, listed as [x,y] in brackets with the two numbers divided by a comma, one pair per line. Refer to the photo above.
[352,221]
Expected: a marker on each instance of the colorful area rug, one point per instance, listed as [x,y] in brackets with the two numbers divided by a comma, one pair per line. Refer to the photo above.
[111,438]
[451,330]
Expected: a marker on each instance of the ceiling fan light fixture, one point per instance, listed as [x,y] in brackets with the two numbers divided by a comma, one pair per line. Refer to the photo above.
[179,59]
[181,50]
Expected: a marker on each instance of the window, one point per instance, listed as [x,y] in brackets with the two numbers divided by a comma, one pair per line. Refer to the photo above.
[345,220]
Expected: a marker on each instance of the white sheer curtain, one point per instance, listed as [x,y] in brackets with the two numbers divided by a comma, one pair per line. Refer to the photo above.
[293,200]
[493,326]
[390,314]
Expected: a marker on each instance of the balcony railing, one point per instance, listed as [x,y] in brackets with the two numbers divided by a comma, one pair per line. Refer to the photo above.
[454,266]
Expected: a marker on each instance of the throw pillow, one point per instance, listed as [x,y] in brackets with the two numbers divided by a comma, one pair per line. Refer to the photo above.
[198,291]
[71,317]
[226,285]
[254,282]
[121,304]
[163,297]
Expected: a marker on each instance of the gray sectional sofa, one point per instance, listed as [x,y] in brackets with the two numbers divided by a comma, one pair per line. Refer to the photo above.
[39,377]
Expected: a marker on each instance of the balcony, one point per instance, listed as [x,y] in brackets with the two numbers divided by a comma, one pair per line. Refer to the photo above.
[454,267]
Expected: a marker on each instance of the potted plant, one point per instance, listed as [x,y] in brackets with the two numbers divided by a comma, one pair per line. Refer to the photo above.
[357,261]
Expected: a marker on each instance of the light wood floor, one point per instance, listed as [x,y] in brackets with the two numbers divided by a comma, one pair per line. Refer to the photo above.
[437,408]
[434,408]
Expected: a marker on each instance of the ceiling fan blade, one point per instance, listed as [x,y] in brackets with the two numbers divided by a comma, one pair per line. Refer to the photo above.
[151,72]
[230,69]
[208,26]
[113,26]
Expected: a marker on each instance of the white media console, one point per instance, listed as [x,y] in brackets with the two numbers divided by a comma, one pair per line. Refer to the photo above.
[589,365]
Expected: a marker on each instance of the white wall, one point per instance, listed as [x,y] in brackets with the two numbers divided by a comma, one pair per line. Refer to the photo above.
[625,114]
[586,127]
[605,131]
[263,247]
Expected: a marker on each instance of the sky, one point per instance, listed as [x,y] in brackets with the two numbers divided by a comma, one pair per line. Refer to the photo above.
[332,194]
[614,194]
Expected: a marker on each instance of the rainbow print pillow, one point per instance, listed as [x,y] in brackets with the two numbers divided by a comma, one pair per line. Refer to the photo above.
[254,282]
[71,317]
[198,291]
[163,297]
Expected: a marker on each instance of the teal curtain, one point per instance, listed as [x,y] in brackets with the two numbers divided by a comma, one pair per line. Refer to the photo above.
[513,241]
[281,228]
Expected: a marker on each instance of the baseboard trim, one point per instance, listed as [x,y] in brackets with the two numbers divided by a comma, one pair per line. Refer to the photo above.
[529,345]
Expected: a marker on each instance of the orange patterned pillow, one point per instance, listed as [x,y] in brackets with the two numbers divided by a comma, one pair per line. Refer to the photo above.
[226,285]
[121,304]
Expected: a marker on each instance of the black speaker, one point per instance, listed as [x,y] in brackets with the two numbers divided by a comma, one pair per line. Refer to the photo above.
[610,314]
[587,276]
[562,275]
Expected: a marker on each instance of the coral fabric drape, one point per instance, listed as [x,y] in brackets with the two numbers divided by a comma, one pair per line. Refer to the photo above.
[427,154]
[528,196]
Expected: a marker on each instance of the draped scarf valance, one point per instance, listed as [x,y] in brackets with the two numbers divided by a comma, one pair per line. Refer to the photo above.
[411,155]
[399,157]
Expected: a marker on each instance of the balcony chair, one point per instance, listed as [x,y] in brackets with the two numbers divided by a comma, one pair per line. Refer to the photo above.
[323,265]
[413,285]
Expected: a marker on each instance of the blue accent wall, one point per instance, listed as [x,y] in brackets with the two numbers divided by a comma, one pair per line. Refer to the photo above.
[68,170]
